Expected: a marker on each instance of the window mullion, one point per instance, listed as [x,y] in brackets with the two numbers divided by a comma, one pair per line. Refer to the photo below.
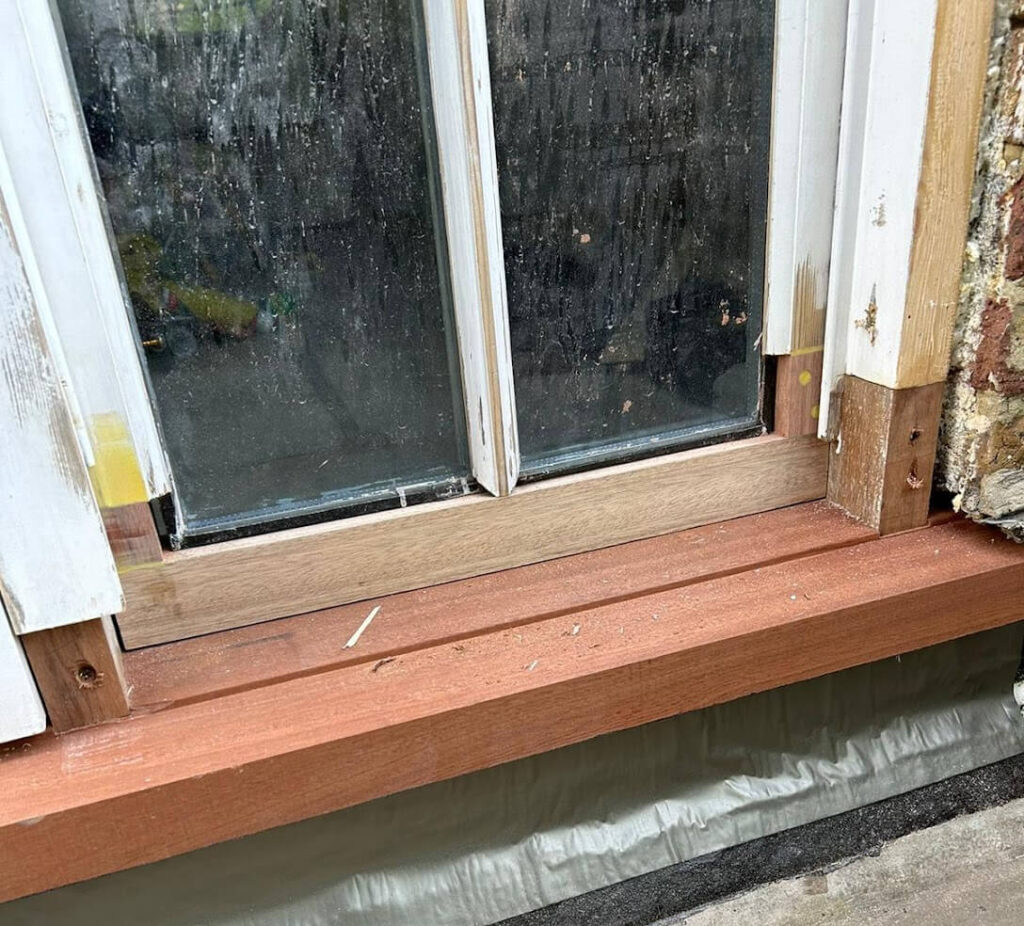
[460,86]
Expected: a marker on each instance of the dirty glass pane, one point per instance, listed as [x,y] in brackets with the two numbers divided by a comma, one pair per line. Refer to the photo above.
[632,142]
[268,169]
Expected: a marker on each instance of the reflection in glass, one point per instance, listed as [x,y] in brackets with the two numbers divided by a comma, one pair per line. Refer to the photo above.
[268,170]
[632,143]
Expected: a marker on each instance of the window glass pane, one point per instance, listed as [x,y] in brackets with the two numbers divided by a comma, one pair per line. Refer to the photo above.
[268,168]
[632,143]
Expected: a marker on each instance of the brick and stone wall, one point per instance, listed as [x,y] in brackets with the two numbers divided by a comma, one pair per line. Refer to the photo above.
[981,456]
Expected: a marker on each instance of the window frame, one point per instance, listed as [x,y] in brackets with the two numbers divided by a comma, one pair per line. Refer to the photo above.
[697,486]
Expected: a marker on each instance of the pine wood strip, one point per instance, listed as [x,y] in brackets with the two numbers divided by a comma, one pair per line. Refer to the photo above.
[123,794]
[79,673]
[959,64]
[291,572]
[234,660]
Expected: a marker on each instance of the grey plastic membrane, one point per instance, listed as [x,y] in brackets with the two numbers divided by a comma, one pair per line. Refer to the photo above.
[487,846]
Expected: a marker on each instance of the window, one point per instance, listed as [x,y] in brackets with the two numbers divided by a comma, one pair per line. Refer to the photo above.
[387,253]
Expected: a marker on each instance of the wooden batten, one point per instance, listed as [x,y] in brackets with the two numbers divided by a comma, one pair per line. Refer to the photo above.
[797,393]
[907,165]
[79,673]
[132,533]
[881,460]
[959,65]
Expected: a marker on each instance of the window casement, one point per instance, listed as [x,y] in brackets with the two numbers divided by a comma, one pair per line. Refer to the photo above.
[365,298]
[867,213]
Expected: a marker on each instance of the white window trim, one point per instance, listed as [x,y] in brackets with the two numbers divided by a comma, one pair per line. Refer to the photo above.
[56,566]
[43,134]
[886,93]
[21,709]
[810,38]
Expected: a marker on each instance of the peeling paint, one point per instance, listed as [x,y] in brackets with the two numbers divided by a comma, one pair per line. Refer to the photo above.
[869,323]
[55,561]
[878,213]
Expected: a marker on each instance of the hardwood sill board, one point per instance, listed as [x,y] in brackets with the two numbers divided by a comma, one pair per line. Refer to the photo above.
[260,654]
[207,770]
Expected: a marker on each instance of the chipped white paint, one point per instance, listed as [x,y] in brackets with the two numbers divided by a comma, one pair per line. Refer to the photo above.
[48,154]
[885,111]
[55,563]
[461,91]
[21,710]
[810,37]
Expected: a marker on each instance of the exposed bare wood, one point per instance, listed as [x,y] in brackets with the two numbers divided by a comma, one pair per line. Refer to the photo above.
[79,673]
[234,660]
[797,393]
[959,63]
[124,794]
[132,535]
[880,468]
[808,308]
[276,575]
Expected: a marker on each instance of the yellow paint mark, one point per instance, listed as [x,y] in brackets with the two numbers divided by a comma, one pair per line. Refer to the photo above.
[124,568]
[806,350]
[815,411]
[804,378]
[115,475]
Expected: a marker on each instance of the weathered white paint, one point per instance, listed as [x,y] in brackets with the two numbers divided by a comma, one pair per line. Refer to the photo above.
[42,132]
[55,563]
[810,38]
[461,91]
[885,112]
[21,709]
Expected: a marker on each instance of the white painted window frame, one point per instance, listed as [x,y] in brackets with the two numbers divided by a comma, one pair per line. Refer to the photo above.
[886,92]
[810,38]
[43,133]
[21,709]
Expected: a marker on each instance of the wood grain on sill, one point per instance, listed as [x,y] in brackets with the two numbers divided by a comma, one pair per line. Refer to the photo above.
[234,660]
[174,780]
[261,578]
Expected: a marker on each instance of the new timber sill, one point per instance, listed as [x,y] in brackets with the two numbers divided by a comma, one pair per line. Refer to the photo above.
[249,729]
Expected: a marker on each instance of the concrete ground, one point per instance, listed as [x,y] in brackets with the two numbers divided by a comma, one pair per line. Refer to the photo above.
[969,870]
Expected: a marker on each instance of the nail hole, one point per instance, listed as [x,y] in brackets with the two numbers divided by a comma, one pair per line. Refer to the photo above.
[915,433]
[87,676]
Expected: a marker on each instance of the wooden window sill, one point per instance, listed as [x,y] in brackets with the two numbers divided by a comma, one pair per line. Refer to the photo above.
[249,729]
